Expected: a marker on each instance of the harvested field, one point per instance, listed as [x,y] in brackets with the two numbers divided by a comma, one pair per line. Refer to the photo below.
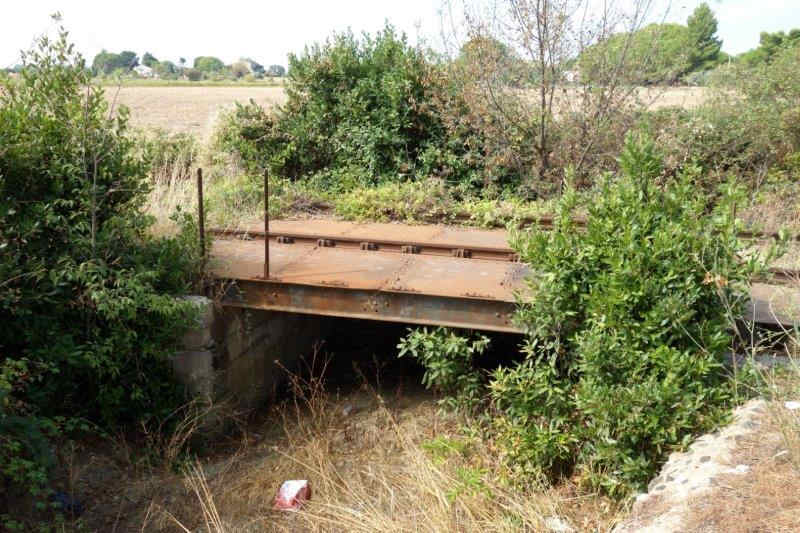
[187,109]
[195,109]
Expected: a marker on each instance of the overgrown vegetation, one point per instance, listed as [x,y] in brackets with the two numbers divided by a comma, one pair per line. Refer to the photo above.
[88,316]
[627,325]
[358,113]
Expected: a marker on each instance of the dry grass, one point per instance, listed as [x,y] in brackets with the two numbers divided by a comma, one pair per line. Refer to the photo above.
[380,469]
[195,109]
[768,497]
[187,109]
[376,462]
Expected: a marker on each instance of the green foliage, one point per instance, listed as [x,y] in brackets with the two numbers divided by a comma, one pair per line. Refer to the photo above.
[208,64]
[704,46]
[87,313]
[170,155]
[192,74]
[448,359]
[166,70]
[149,60]
[627,325]
[658,53]
[276,71]
[358,110]
[770,45]
[107,62]
[426,201]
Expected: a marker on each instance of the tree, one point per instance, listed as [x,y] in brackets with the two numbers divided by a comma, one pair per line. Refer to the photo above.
[149,60]
[276,71]
[704,46]
[166,69]
[127,60]
[240,69]
[660,51]
[208,64]
[770,44]
[193,74]
[255,67]
[87,323]
[548,35]
[105,62]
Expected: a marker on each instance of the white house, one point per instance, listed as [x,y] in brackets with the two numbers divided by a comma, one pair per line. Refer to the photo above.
[144,71]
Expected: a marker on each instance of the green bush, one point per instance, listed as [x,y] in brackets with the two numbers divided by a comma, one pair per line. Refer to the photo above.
[88,316]
[358,112]
[448,359]
[627,325]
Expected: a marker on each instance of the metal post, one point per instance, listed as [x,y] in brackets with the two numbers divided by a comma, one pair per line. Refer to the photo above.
[201,220]
[266,224]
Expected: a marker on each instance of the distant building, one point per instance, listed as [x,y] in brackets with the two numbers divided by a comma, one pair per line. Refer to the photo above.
[144,71]
[572,76]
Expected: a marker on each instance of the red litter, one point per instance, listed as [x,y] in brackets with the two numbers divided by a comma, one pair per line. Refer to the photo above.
[292,495]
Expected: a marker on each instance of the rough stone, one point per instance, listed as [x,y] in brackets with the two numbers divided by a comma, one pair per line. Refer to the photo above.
[195,369]
[199,336]
[690,474]
[557,524]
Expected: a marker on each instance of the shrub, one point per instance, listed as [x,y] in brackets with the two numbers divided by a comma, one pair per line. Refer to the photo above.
[192,74]
[627,324]
[355,107]
[168,155]
[88,316]
[448,359]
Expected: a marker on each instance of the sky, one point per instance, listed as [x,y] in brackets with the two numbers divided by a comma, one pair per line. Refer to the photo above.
[268,30]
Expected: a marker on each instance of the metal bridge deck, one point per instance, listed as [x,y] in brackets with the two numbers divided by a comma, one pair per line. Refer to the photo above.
[434,275]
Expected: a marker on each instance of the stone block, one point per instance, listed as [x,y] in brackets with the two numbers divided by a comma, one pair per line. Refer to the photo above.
[195,369]
[199,335]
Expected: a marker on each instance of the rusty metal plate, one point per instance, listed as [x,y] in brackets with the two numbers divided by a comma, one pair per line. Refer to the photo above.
[311,227]
[344,268]
[476,239]
[395,232]
[349,268]
[245,259]
[444,276]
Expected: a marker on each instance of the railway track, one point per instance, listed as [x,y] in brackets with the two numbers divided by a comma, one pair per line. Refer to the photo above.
[351,240]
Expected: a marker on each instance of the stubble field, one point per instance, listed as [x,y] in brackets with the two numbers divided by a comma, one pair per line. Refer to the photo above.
[186,109]
[195,109]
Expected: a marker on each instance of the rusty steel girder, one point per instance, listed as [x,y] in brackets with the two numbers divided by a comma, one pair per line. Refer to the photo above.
[381,305]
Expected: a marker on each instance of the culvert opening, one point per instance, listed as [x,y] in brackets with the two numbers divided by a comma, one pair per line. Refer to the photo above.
[358,353]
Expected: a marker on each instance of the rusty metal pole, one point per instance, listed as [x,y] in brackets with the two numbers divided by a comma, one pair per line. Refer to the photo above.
[201,220]
[266,224]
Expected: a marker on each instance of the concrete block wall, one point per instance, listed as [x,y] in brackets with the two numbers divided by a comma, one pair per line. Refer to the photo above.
[243,354]
[256,348]
[194,365]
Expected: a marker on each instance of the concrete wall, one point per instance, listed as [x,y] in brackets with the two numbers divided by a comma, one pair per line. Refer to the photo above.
[238,354]
[256,348]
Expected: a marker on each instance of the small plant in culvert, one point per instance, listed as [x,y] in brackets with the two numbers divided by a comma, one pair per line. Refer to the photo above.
[627,324]
[448,359]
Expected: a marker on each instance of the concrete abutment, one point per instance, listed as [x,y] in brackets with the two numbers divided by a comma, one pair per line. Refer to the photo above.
[241,355]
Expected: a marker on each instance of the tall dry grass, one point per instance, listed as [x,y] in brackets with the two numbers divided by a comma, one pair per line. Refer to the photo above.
[379,464]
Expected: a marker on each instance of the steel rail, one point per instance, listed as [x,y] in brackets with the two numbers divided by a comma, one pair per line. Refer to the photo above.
[421,247]
[383,245]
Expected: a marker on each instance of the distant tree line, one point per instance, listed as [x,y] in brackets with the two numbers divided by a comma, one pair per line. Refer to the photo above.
[667,53]
[676,53]
[127,63]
